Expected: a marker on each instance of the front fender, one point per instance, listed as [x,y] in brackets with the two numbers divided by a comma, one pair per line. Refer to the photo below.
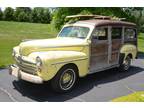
[54,60]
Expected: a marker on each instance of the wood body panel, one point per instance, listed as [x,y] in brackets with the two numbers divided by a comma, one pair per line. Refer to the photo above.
[116,45]
[99,54]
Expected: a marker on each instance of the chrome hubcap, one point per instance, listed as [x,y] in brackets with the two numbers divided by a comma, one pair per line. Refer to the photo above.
[67,79]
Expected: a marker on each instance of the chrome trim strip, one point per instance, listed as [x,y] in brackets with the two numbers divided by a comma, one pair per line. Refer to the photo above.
[63,46]
[30,70]
[19,58]
[69,61]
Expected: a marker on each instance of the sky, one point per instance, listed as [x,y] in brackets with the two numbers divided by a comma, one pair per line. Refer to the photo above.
[3,8]
[72,3]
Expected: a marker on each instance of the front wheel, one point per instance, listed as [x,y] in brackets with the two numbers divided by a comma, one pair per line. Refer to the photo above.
[125,65]
[64,80]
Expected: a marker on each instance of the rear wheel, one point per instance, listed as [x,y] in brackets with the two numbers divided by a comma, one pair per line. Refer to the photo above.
[125,65]
[64,80]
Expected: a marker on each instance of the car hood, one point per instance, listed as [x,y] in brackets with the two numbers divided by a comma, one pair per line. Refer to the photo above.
[51,44]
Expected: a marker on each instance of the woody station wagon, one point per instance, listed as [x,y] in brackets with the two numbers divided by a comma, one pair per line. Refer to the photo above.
[91,44]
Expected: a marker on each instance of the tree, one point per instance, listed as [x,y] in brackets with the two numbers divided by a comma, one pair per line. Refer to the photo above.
[40,15]
[22,14]
[16,13]
[60,13]
[23,17]
[35,15]
[56,21]
[46,17]
[1,14]
[8,14]
[138,14]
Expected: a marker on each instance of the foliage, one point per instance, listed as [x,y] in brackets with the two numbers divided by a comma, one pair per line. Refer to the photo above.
[138,14]
[1,14]
[46,16]
[40,15]
[22,14]
[142,28]
[23,17]
[27,14]
[85,12]
[57,15]
[8,14]
[60,13]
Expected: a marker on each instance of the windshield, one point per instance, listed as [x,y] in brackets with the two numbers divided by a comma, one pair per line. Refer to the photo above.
[74,31]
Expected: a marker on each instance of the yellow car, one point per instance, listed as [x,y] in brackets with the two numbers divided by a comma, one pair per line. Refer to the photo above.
[83,47]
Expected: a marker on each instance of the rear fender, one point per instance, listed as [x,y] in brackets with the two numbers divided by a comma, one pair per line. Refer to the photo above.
[127,49]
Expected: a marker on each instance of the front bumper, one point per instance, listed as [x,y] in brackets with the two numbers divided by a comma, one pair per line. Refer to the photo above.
[15,71]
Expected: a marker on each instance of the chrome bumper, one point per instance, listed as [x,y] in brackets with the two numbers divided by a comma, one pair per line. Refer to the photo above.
[15,71]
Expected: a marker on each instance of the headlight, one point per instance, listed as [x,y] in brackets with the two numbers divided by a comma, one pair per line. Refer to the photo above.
[13,53]
[39,64]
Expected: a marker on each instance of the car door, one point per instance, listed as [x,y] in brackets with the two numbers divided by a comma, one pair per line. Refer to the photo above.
[116,42]
[99,49]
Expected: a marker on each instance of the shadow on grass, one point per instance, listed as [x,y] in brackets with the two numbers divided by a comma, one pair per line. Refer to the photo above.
[44,92]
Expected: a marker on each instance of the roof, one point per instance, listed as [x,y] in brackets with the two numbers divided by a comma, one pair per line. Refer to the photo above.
[100,22]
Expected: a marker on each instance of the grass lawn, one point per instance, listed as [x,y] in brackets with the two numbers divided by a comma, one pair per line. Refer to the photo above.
[134,97]
[11,34]
[141,42]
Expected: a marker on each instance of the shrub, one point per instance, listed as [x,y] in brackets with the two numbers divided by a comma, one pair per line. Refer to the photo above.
[1,14]
[8,14]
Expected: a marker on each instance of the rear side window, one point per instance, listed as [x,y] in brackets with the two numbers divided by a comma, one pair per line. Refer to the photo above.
[100,34]
[130,33]
[116,33]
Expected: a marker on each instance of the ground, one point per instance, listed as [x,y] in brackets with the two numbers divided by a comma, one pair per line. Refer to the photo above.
[102,86]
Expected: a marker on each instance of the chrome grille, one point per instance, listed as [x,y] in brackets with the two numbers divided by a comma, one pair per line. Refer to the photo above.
[26,66]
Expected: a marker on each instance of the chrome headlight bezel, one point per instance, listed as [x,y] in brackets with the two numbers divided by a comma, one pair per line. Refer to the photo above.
[38,64]
[13,53]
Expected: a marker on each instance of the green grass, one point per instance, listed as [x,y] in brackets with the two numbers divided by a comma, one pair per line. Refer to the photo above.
[134,97]
[12,33]
[141,42]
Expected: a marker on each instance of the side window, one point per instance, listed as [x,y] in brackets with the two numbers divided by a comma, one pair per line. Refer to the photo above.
[129,33]
[116,33]
[100,34]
